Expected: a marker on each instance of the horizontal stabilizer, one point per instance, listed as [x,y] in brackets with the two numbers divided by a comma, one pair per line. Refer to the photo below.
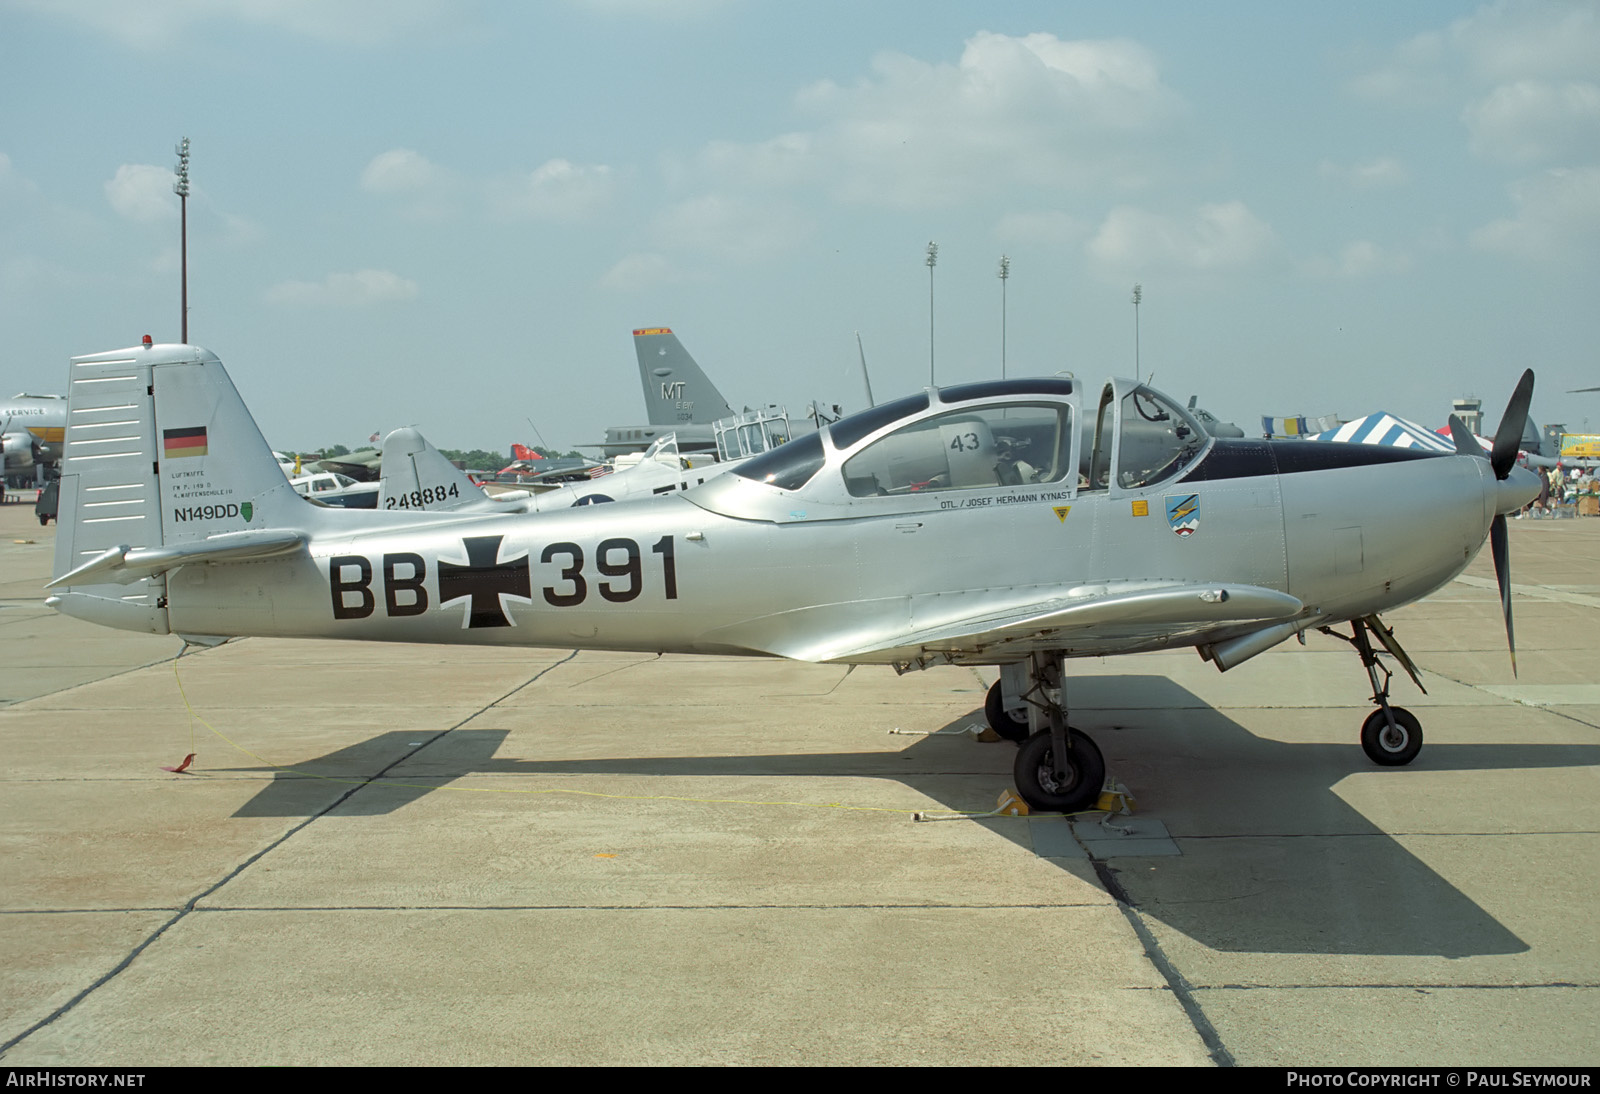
[124,564]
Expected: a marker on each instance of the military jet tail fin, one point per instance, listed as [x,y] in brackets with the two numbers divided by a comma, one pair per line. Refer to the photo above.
[675,390]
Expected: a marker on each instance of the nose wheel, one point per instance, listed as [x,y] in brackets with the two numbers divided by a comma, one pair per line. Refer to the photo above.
[1391,736]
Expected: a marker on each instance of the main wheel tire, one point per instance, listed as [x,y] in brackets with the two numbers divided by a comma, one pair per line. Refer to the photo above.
[1391,747]
[1036,778]
[1000,719]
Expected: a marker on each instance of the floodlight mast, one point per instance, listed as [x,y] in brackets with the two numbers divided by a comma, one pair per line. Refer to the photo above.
[1138,294]
[181,188]
[1005,275]
[933,260]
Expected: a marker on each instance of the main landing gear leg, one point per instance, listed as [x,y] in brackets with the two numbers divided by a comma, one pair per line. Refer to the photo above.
[1058,769]
[1391,736]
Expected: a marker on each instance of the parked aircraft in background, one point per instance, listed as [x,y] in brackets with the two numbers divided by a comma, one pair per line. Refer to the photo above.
[529,468]
[332,488]
[962,525]
[31,430]
[362,465]
[416,476]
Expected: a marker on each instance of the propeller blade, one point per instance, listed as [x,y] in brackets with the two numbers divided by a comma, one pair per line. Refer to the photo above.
[1501,549]
[1508,438]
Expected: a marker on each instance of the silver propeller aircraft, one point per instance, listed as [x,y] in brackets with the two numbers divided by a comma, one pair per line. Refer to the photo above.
[1014,523]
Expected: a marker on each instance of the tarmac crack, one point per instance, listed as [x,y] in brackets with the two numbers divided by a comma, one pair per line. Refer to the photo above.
[1368,986]
[1177,984]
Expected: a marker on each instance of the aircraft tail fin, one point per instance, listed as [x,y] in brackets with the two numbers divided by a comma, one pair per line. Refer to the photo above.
[675,390]
[524,453]
[1532,440]
[162,466]
[417,477]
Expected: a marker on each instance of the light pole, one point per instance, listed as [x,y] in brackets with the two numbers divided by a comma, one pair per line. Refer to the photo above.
[181,188]
[1005,275]
[933,260]
[1138,293]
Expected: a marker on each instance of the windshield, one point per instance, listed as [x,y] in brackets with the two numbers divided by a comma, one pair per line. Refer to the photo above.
[1158,440]
[789,466]
[847,431]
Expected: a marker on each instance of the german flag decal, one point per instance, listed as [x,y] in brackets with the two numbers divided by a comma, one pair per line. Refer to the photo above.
[183,442]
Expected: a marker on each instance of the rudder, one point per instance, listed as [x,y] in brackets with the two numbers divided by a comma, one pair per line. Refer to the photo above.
[675,389]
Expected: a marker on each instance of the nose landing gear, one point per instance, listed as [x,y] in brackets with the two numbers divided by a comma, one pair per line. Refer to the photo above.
[1391,736]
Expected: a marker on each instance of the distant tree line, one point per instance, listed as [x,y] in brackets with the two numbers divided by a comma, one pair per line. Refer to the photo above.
[479,460]
[476,459]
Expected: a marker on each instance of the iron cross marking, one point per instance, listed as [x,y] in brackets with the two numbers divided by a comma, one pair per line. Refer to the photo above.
[485,580]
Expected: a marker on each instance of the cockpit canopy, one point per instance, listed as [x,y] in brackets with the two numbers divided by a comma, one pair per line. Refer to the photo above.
[912,453]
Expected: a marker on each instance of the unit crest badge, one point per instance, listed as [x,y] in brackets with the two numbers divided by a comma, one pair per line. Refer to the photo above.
[1183,514]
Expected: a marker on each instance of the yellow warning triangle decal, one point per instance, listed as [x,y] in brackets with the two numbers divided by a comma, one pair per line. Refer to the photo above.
[1061,512]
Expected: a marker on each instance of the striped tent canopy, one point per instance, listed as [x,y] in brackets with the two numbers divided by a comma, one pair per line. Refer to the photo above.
[1386,429]
[1298,426]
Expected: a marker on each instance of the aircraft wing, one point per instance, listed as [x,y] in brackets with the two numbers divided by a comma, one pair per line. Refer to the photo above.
[1125,615]
[124,564]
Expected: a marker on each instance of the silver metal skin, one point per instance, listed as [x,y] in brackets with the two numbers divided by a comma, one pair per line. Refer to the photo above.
[974,525]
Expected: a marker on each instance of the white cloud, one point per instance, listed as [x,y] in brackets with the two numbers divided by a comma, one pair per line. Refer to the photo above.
[558,190]
[1217,238]
[1527,72]
[1530,121]
[404,171]
[641,270]
[1520,39]
[1047,226]
[13,186]
[421,189]
[1557,218]
[1502,42]
[143,193]
[1034,110]
[1361,258]
[734,228]
[363,288]
[1375,174]
[1416,72]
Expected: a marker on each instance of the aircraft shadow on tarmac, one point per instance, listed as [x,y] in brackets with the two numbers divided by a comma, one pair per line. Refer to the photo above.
[1273,860]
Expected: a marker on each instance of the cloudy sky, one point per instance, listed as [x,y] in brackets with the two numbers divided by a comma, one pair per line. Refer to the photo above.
[452,213]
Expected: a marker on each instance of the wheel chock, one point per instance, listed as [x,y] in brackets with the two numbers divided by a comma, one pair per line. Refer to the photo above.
[1011,805]
[1116,798]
